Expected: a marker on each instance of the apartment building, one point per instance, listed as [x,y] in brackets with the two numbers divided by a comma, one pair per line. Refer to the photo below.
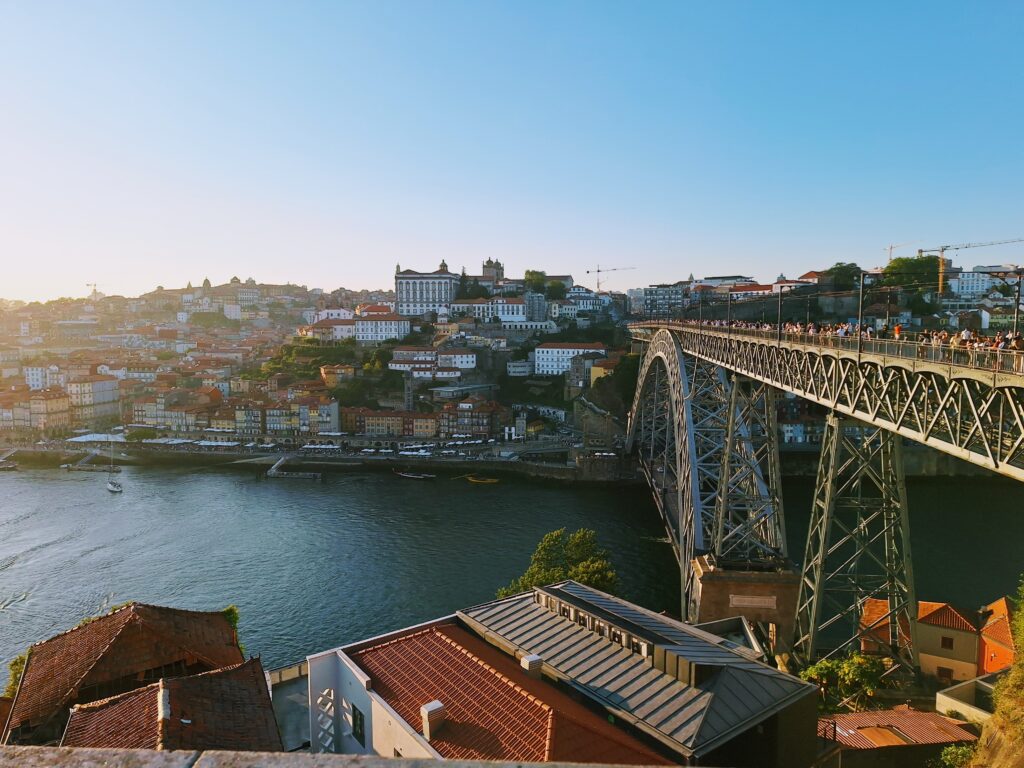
[553,358]
[473,416]
[377,328]
[94,399]
[375,423]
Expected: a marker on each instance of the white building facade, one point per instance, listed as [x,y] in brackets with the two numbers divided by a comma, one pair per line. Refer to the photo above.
[378,328]
[417,293]
[553,358]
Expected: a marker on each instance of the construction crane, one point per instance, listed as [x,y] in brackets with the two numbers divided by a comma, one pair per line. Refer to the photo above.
[599,270]
[893,246]
[941,252]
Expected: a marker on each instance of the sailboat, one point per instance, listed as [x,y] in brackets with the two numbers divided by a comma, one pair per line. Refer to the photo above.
[112,485]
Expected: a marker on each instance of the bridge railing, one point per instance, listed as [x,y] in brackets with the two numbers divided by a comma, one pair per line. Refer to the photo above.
[991,360]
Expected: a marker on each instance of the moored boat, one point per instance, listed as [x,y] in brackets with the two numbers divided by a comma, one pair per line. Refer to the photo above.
[415,475]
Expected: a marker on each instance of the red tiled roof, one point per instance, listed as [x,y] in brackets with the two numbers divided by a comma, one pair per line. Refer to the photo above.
[936,614]
[493,710]
[944,615]
[899,726]
[997,626]
[571,345]
[127,641]
[227,708]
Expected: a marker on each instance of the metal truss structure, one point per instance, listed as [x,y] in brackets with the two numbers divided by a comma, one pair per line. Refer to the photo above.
[858,549]
[962,410]
[705,445]
[717,393]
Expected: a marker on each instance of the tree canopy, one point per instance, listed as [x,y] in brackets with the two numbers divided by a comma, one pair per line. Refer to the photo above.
[535,280]
[560,556]
[555,289]
[916,273]
[844,276]
[848,682]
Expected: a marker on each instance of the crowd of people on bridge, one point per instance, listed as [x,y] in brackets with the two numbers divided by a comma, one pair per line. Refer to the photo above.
[1002,351]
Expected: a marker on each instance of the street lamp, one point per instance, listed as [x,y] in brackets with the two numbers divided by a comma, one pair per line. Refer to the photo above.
[860,316]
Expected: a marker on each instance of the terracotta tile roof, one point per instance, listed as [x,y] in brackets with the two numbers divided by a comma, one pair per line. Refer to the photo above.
[494,711]
[128,641]
[227,708]
[997,625]
[128,721]
[936,614]
[572,345]
[944,615]
[899,726]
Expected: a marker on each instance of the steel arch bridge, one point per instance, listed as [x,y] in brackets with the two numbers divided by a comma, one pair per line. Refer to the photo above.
[703,426]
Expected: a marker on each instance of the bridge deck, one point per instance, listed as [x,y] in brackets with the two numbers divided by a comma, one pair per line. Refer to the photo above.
[968,403]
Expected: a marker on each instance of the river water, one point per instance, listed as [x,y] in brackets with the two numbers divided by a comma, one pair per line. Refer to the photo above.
[314,565]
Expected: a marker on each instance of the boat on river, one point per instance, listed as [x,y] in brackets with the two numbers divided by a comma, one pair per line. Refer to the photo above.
[482,480]
[414,475]
[112,485]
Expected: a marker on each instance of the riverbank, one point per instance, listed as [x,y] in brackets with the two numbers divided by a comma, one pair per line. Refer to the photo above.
[587,471]
[797,461]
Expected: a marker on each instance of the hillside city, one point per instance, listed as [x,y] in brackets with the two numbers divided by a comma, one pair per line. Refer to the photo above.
[440,355]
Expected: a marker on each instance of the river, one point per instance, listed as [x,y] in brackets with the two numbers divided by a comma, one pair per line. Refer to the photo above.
[312,565]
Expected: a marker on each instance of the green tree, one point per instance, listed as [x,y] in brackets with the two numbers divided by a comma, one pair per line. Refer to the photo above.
[560,556]
[844,276]
[535,280]
[919,273]
[15,669]
[848,682]
[554,290]
[1008,697]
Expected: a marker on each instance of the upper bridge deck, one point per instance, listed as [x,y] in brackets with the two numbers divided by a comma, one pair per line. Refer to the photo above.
[965,402]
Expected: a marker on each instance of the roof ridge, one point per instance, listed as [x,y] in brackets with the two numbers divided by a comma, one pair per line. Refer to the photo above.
[150,626]
[86,622]
[549,736]
[117,697]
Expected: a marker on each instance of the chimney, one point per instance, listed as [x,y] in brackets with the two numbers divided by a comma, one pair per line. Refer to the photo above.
[532,664]
[432,714]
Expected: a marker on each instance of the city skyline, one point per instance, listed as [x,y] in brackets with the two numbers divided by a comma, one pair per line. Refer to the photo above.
[325,146]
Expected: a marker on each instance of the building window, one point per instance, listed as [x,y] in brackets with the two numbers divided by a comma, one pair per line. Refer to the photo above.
[563,610]
[616,636]
[398,752]
[599,628]
[947,643]
[358,726]
[944,673]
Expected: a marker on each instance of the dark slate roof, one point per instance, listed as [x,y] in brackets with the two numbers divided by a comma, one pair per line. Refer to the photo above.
[128,641]
[737,694]
[227,708]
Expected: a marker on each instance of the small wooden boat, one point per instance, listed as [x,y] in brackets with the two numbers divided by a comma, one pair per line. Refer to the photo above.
[482,480]
[414,475]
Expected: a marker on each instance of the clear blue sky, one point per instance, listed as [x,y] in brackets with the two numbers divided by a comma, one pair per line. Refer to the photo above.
[146,142]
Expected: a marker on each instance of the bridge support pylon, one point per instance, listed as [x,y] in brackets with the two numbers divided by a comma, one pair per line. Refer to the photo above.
[857,585]
[746,570]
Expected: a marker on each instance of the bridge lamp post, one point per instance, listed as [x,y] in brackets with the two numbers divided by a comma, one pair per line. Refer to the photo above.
[860,315]
[778,324]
